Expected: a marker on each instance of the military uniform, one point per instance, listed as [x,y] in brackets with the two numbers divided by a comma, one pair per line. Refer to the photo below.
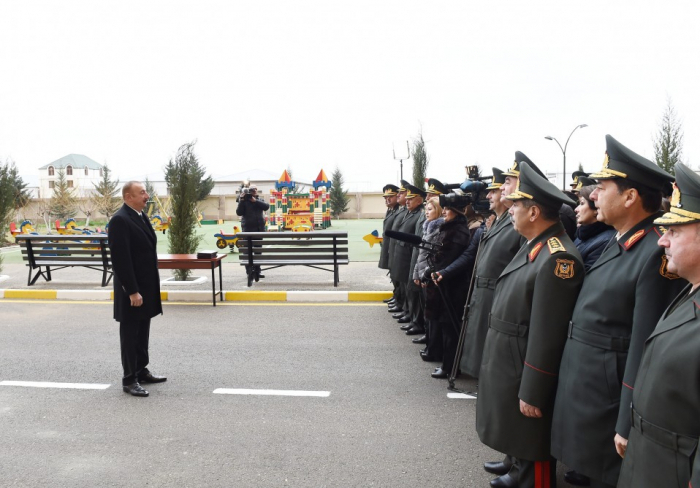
[623,296]
[400,260]
[498,246]
[389,190]
[532,304]
[399,291]
[662,447]
[414,295]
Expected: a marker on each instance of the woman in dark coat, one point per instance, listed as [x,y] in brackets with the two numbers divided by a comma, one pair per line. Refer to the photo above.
[591,236]
[453,283]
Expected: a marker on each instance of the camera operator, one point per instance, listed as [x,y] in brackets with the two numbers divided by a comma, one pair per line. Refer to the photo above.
[250,209]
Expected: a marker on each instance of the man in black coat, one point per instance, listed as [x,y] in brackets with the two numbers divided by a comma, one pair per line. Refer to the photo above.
[250,209]
[132,242]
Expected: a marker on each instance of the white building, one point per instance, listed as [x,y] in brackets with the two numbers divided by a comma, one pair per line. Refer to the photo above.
[81,172]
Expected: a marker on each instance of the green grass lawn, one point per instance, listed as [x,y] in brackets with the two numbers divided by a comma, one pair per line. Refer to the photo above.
[356,229]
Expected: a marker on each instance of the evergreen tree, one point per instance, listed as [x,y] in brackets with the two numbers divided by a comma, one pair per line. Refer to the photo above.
[187,186]
[151,205]
[106,198]
[339,199]
[668,143]
[63,203]
[13,196]
[420,161]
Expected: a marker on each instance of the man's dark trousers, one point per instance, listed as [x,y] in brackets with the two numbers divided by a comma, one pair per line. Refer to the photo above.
[134,346]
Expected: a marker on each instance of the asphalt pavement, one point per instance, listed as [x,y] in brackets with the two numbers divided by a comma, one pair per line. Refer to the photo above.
[385,422]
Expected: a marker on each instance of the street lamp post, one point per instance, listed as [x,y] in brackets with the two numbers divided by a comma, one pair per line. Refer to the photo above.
[401,157]
[563,150]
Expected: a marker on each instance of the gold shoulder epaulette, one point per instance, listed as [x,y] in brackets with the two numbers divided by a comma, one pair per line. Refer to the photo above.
[555,246]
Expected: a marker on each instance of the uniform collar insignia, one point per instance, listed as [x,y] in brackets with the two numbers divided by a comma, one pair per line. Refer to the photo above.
[535,251]
[636,237]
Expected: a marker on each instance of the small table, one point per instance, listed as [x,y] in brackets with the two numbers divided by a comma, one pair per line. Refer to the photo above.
[190,261]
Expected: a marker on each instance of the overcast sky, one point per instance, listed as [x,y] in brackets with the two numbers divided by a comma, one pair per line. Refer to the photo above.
[320,84]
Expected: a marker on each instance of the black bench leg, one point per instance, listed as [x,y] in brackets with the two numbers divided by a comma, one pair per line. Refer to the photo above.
[335,276]
[48,274]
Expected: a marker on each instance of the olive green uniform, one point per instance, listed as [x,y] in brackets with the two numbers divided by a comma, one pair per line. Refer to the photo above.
[391,214]
[663,442]
[623,296]
[497,248]
[532,305]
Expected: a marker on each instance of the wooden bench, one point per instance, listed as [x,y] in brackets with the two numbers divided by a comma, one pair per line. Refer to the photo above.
[47,253]
[275,249]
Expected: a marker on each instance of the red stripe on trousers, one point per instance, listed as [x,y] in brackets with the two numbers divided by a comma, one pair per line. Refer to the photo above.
[542,474]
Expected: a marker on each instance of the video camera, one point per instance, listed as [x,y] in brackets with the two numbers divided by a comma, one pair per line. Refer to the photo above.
[471,192]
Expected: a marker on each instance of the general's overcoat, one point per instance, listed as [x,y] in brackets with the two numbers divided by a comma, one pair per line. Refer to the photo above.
[663,442]
[402,251]
[497,248]
[391,214]
[622,299]
[529,319]
[132,242]
[395,224]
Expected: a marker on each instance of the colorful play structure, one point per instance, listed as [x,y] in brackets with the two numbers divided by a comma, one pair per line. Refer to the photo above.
[26,227]
[373,238]
[300,212]
[70,227]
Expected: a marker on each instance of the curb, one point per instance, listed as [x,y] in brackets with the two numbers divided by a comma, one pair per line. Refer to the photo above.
[205,296]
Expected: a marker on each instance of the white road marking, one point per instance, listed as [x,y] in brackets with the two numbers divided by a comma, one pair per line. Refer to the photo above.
[48,384]
[462,396]
[244,391]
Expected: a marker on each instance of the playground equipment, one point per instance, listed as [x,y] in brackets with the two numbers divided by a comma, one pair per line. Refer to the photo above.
[26,227]
[159,224]
[299,212]
[229,240]
[373,238]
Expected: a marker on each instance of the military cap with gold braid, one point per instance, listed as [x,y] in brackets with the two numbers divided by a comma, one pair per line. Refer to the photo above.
[532,186]
[390,190]
[582,181]
[413,191]
[436,187]
[621,162]
[497,179]
[515,169]
[685,201]
[402,188]
[575,177]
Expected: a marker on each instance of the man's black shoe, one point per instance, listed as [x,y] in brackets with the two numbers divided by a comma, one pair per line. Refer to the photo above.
[429,359]
[135,389]
[387,300]
[420,340]
[578,479]
[149,378]
[504,481]
[261,276]
[406,326]
[398,315]
[404,320]
[395,310]
[497,467]
[439,373]
[415,330]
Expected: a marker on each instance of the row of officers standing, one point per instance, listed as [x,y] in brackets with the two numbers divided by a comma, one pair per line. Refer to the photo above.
[585,340]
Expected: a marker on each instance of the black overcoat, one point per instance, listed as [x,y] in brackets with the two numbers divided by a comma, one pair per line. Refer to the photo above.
[532,305]
[498,246]
[662,450]
[621,301]
[132,243]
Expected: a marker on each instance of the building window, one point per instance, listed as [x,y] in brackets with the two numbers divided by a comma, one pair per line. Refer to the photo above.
[70,183]
[50,170]
[69,170]
[86,170]
[51,184]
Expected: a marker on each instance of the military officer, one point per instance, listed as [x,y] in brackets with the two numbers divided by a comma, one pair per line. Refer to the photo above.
[391,200]
[532,304]
[663,441]
[402,251]
[575,177]
[498,246]
[623,296]
[397,307]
